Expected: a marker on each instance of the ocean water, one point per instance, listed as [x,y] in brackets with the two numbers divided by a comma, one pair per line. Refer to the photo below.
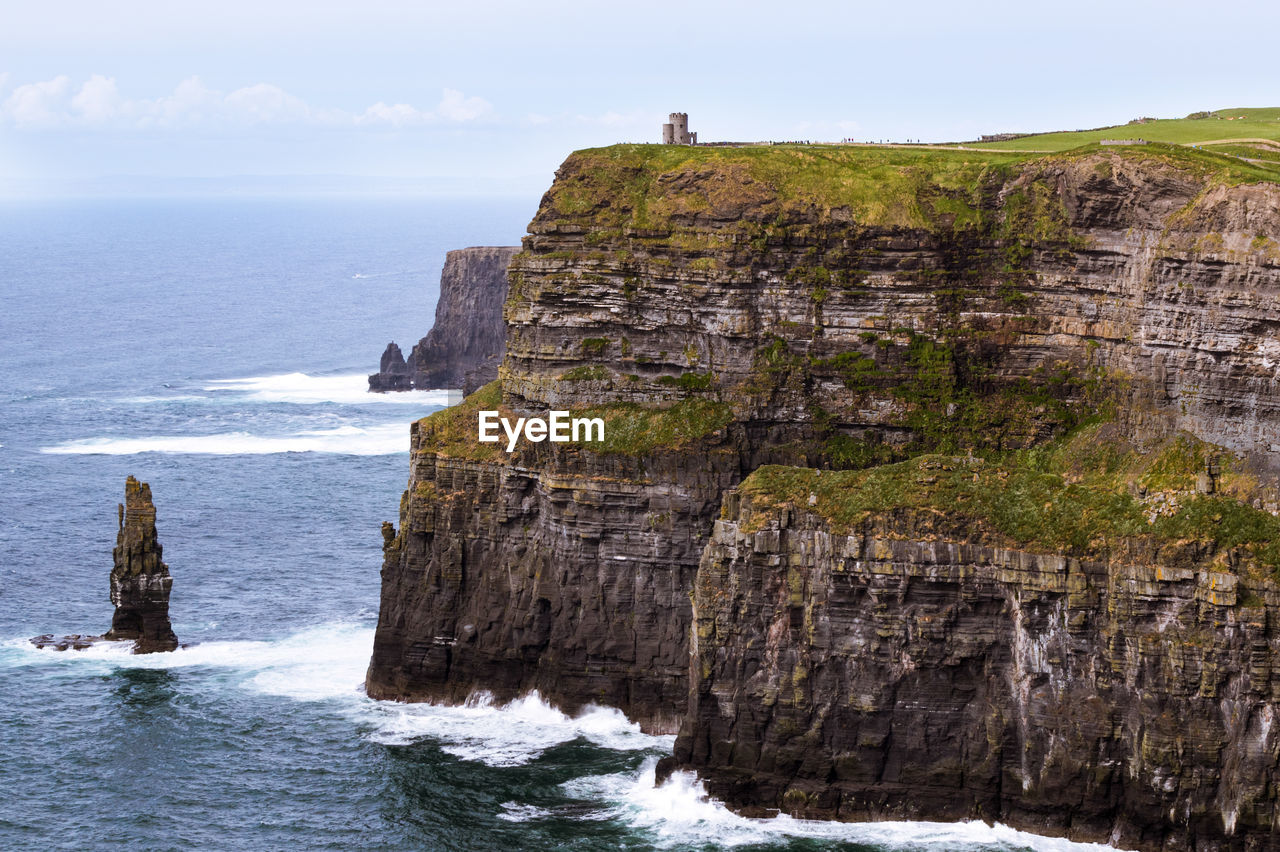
[218,350]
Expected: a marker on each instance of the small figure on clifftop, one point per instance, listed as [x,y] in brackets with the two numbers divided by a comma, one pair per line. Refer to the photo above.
[140,582]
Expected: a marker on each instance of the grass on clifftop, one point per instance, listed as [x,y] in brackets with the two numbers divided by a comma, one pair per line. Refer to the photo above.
[1079,495]
[646,186]
[1206,127]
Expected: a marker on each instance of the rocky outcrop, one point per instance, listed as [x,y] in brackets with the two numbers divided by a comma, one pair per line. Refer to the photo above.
[465,345]
[726,309]
[915,668]
[140,581]
[393,373]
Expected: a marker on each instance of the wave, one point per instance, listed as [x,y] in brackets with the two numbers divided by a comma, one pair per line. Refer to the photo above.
[323,662]
[378,440]
[304,389]
[510,734]
[679,813]
[328,663]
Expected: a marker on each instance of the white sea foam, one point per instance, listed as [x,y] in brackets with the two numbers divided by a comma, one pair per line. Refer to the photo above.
[505,735]
[376,440]
[320,663]
[679,813]
[345,389]
[328,663]
[148,400]
[516,812]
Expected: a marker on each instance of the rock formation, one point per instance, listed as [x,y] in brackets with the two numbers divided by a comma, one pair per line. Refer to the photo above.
[140,582]
[1087,655]
[393,373]
[464,347]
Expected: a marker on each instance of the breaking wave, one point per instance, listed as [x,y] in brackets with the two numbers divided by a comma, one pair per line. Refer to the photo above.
[301,388]
[376,440]
[327,663]
[680,814]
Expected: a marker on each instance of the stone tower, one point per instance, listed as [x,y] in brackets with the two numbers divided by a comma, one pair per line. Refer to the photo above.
[676,130]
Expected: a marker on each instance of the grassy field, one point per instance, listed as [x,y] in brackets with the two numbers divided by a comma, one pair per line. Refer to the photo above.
[1220,125]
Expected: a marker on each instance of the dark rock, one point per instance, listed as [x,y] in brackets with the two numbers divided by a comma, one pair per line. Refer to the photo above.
[393,374]
[465,345]
[140,581]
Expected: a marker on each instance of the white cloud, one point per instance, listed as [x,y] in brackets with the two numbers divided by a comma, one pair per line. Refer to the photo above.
[38,104]
[99,103]
[98,100]
[395,115]
[266,104]
[456,107]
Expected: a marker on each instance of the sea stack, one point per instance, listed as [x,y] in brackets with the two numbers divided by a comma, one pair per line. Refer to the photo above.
[140,581]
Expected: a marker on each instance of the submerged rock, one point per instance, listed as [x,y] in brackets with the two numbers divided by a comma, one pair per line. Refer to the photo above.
[140,583]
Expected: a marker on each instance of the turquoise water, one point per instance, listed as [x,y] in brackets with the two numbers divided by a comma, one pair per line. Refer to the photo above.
[218,350]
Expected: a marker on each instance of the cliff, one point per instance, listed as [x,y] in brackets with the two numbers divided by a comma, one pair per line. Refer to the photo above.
[838,310]
[906,644]
[465,344]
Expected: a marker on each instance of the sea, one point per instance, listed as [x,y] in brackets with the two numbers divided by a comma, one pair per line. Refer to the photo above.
[218,349]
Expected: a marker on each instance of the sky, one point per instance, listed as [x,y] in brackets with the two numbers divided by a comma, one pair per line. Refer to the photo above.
[489,97]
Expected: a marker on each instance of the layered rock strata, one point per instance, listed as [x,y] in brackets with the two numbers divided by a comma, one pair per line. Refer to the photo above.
[724,309]
[916,668]
[140,581]
[465,344]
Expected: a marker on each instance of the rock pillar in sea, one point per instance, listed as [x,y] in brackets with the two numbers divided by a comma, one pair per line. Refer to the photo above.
[140,581]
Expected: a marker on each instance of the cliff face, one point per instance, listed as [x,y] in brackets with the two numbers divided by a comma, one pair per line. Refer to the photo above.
[140,581]
[919,666]
[724,309]
[463,348]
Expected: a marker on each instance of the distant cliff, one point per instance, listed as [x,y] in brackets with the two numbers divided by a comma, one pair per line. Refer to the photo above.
[953,474]
[465,345]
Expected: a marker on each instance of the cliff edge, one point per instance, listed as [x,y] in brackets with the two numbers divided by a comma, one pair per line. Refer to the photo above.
[464,346]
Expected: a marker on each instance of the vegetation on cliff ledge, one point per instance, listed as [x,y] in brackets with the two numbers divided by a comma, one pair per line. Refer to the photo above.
[1080,495]
[630,429]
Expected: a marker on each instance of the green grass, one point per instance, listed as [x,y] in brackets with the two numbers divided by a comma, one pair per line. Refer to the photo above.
[645,186]
[766,190]
[631,429]
[453,431]
[1256,124]
[1077,495]
[1247,151]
